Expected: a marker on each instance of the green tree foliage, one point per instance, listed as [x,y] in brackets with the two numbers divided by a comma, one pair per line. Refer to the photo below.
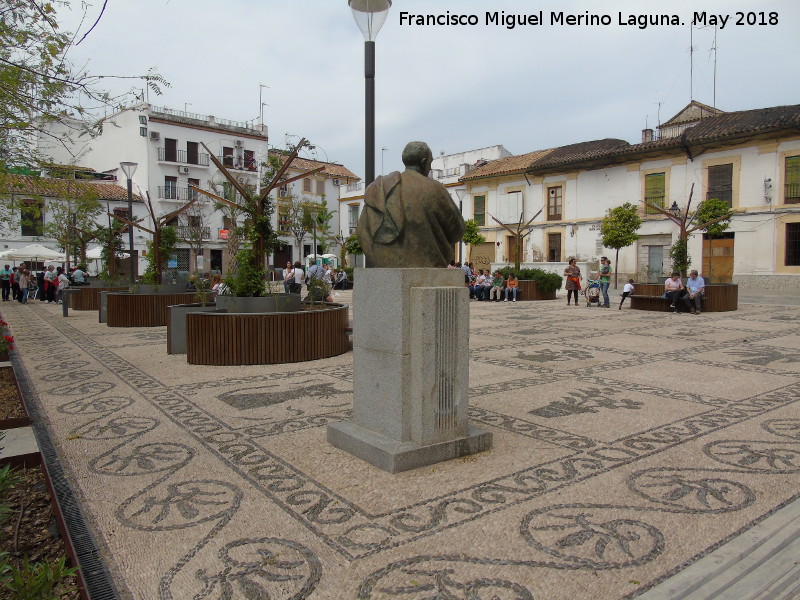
[472,236]
[353,246]
[39,85]
[708,211]
[249,279]
[168,243]
[618,229]
[75,211]
[679,253]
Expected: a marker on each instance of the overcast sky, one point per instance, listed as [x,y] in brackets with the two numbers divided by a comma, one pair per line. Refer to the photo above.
[455,87]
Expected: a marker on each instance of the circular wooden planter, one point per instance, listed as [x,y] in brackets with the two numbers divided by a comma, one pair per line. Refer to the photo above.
[142,310]
[266,338]
[718,297]
[528,290]
[88,298]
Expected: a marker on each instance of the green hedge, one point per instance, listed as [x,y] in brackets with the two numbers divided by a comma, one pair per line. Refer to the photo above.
[545,282]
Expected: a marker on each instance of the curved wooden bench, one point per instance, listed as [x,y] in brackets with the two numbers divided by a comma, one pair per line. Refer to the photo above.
[528,290]
[88,298]
[266,338]
[718,297]
[142,310]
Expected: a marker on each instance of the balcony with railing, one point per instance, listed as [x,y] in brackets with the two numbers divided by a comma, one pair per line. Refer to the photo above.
[239,164]
[354,187]
[791,193]
[183,157]
[168,192]
[187,232]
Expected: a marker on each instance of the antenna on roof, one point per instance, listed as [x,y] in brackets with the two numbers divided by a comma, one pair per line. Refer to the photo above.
[715,66]
[691,62]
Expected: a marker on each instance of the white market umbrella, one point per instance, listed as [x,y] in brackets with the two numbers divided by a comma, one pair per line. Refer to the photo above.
[33,252]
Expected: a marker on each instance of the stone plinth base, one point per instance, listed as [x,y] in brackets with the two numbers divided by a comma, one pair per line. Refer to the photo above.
[410,370]
[394,456]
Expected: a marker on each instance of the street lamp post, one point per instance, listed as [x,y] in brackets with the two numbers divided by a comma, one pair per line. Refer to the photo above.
[129,168]
[370,15]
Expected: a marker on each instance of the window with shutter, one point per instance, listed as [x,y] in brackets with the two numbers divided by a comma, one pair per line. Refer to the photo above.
[654,191]
[792,180]
[479,210]
[720,183]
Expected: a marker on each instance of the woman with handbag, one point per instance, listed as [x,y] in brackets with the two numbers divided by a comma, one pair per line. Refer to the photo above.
[573,285]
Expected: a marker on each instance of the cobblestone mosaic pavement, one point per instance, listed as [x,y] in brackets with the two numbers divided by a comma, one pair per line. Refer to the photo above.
[626,445]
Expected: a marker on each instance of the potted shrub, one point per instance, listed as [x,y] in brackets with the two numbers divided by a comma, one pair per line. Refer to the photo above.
[6,341]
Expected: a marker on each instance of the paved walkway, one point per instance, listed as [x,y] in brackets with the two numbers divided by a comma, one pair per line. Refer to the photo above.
[627,445]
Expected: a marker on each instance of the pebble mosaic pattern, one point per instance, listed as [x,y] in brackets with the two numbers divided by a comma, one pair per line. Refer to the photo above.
[627,444]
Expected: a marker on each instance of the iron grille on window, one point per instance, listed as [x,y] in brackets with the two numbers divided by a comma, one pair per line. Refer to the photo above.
[792,244]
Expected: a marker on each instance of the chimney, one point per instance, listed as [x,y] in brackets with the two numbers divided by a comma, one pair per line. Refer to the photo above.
[647,135]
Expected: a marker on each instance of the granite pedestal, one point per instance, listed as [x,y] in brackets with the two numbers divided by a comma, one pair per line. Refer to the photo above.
[411,370]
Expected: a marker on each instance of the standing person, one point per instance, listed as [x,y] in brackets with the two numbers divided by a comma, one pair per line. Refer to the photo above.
[298,278]
[674,290]
[63,283]
[626,291]
[497,287]
[5,282]
[341,279]
[23,279]
[288,277]
[50,283]
[14,280]
[573,285]
[467,273]
[695,288]
[512,285]
[40,284]
[605,280]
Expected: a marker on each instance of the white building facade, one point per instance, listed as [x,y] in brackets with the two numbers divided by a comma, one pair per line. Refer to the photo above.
[751,159]
[172,150]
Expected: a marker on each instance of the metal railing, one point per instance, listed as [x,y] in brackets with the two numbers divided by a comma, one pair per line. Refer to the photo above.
[182,156]
[791,193]
[354,187]
[239,164]
[187,232]
[655,201]
[168,192]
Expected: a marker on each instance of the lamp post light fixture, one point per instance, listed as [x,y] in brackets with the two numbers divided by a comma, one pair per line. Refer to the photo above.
[370,15]
[129,168]
[674,209]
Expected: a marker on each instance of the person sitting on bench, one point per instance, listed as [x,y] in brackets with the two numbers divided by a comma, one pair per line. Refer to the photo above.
[674,291]
[695,287]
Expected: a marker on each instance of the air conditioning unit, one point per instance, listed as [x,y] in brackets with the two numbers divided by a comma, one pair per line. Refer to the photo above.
[155,136]
[240,179]
[239,143]
[337,183]
[183,170]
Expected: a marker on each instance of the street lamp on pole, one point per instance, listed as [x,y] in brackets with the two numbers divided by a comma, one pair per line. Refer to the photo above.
[129,168]
[370,15]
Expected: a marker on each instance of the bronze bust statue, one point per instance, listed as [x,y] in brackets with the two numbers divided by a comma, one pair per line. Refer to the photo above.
[409,220]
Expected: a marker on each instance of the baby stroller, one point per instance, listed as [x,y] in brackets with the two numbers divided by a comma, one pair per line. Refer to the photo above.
[592,292]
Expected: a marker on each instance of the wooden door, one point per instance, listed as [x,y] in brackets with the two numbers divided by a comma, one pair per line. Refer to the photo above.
[718,259]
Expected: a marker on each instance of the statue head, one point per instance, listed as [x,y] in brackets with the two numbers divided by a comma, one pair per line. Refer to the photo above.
[417,156]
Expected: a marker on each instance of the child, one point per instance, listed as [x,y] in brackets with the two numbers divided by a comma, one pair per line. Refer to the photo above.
[626,291]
